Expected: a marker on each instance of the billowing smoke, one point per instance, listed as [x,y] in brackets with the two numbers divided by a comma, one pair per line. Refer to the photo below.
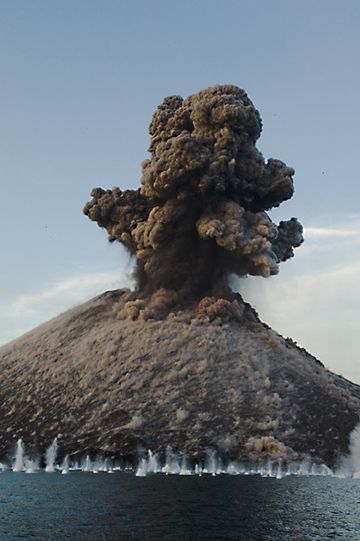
[200,213]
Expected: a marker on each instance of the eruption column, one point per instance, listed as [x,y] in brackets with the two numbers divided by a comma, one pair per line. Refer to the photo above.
[201,212]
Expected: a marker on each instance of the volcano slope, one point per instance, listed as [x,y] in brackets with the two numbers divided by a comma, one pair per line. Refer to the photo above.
[221,381]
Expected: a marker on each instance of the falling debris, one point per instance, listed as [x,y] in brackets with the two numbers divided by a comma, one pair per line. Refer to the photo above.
[201,212]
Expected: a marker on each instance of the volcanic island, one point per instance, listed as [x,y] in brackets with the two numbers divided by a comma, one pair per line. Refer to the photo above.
[182,360]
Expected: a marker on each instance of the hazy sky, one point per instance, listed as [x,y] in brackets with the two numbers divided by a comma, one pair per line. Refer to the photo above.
[79,83]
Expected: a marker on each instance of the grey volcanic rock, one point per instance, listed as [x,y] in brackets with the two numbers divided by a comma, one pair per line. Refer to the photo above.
[111,386]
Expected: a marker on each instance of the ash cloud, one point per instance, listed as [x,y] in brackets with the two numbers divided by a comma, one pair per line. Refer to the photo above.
[201,211]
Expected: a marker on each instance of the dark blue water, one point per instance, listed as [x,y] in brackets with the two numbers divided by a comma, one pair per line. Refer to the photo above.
[123,507]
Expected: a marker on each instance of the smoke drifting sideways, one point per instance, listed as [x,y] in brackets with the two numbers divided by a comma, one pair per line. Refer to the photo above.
[200,214]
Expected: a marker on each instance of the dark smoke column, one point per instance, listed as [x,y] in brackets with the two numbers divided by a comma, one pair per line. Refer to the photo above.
[200,213]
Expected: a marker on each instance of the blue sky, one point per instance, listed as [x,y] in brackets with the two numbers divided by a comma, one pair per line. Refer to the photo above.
[79,83]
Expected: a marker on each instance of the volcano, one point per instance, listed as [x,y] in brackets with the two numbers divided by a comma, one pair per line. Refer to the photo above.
[182,360]
[110,386]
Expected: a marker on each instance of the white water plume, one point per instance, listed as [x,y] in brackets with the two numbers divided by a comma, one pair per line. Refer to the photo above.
[148,465]
[50,456]
[354,449]
[65,468]
[212,463]
[86,465]
[349,466]
[153,462]
[171,462]
[184,468]
[100,464]
[19,463]
[178,464]
[142,469]
[277,468]
[31,466]
[235,468]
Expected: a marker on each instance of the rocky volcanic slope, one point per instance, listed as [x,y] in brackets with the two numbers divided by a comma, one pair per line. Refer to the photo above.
[110,386]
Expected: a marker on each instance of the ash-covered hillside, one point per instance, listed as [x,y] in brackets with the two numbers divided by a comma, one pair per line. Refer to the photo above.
[111,386]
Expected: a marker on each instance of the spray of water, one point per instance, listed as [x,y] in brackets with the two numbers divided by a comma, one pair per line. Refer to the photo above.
[349,466]
[354,449]
[171,462]
[150,464]
[19,463]
[184,467]
[178,464]
[50,456]
[65,465]
[31,466]
[86,465]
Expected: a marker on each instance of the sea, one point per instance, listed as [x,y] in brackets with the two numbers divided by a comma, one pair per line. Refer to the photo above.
[83,506]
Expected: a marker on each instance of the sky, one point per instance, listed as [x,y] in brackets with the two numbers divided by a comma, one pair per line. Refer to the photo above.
[79,84]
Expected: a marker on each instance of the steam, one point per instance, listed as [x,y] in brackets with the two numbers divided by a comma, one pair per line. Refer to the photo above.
[200,214]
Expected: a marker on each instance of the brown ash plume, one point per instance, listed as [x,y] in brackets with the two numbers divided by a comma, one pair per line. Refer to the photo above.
[200,213]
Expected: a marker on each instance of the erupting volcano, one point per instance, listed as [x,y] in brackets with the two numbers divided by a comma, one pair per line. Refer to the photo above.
[182,360]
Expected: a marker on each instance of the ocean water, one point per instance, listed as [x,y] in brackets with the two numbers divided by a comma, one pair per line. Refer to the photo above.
[120,507]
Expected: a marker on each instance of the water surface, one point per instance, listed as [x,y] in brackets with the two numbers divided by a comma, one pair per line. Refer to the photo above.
[103,507]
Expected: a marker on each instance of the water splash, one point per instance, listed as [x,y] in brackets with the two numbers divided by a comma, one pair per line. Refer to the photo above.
[179,464]
[153,462]
[276,468]
[235,468]
[50,456]
[213,465]
[86,465]
[148,465]
[171,462]
[65,466]
[184,468]
[141,469]
[31,466]
[354,449]
[349,465]
[19,463]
